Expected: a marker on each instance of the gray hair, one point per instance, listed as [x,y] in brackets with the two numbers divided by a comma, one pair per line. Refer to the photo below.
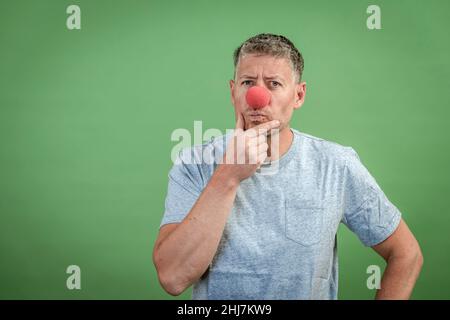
[272,45]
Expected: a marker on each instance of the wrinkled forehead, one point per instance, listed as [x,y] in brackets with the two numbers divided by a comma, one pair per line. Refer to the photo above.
[254,65]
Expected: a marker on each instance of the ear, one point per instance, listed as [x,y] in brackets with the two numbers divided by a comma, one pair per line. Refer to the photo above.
[300,92]
[231,91]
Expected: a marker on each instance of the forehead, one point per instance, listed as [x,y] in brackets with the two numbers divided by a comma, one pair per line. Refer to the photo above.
[252,64]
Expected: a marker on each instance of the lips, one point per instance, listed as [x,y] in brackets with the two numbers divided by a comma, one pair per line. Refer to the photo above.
[257,117]
[256,114]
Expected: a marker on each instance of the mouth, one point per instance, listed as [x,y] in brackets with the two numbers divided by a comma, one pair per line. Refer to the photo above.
[257,117]
[256,113]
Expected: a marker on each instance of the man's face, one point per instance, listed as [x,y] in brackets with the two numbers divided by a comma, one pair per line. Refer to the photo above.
[277,76]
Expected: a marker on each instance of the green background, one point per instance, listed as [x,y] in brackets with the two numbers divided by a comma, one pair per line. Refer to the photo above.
[86,118]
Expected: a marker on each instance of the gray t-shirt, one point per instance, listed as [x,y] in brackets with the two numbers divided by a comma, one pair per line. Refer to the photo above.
[280,238]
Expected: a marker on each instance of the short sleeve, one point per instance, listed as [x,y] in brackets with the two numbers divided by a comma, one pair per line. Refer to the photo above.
[184,188]
[367,211]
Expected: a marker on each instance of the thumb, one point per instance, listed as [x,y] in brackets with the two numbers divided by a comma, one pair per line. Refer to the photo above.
[240,122]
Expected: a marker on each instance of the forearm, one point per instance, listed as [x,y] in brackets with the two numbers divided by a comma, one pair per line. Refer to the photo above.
[400,277]
[186,253]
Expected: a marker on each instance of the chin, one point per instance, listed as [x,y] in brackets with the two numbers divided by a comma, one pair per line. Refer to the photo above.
[259,120]
[257,123]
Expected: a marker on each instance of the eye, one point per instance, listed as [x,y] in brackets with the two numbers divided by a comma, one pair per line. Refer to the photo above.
[275,84]
[247,82]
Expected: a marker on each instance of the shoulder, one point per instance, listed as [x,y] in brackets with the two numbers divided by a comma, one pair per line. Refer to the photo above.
[204,153]
[325,149]
[197,163]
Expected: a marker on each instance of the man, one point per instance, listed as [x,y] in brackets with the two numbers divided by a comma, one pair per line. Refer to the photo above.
[236,233]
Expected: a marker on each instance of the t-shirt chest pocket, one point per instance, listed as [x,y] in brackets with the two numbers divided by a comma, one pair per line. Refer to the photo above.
[303,222]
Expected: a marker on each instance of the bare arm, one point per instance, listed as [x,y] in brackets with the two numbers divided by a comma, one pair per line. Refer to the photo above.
[183,251]
[404,260]
[182,256]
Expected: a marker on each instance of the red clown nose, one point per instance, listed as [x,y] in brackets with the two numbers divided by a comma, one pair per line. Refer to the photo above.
[257,97]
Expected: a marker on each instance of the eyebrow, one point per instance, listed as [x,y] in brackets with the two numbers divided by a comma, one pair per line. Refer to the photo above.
[252,77]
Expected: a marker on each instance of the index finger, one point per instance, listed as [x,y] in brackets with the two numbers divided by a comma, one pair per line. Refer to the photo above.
[266,127]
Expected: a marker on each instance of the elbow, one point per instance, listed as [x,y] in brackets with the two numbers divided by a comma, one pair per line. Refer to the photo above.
[170,286]
[419,259]
[417,256]
[414,259]
[167,278]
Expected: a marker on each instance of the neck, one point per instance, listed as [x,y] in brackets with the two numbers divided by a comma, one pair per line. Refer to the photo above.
[282,141]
